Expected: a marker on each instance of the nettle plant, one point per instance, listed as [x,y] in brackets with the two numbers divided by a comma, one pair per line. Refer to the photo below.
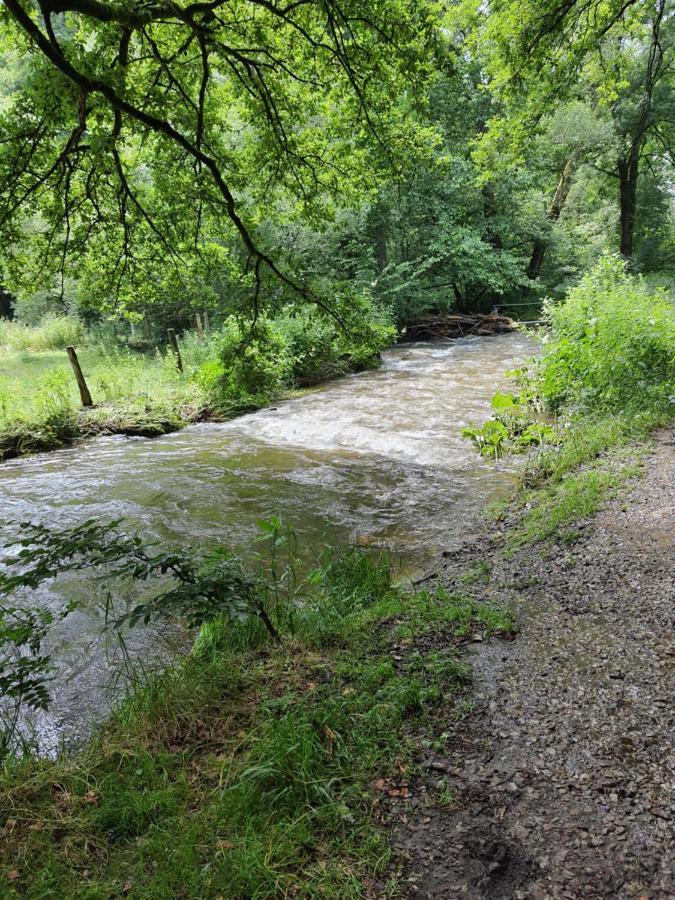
[193,587]
[514,426]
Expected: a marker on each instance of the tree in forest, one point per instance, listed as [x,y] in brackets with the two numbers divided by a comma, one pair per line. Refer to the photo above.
[614,54]
[137,139]
[6,305]
[435,238]
[642,105]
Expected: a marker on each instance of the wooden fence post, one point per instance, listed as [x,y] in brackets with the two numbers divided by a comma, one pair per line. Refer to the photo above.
[200,325]
[173,340]
[85,396]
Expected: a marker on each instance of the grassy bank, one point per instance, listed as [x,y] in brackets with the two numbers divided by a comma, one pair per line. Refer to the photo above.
[229,371]
[40,406]
[604,382]
[255,769]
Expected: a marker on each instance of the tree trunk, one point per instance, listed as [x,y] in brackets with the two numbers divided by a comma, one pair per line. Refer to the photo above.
[6,311]
[381,245]
[537,258]
[627,168]
[556,208]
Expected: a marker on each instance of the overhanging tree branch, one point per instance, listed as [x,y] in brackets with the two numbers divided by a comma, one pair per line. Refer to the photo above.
[160,126]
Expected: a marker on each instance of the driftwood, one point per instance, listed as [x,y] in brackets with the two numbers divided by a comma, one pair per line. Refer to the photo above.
[435,327]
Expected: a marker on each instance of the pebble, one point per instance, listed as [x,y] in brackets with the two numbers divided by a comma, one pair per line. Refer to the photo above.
[567,789]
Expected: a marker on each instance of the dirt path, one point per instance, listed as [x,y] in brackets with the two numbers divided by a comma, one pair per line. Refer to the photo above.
[564,783]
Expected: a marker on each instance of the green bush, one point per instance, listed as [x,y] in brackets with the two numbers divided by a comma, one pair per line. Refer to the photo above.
[312,344]
[611,344]
[321,349]
[252,366]
[362,347]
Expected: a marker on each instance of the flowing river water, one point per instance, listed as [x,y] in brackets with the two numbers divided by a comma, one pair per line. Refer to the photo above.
[376,457]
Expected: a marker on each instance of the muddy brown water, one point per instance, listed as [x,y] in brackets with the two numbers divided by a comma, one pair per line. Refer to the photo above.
[377,457]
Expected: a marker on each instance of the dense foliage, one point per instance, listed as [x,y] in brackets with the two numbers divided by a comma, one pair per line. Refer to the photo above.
[607,359]
[252,366]
[605,377]
[150,149]
[611,345]
[241,157]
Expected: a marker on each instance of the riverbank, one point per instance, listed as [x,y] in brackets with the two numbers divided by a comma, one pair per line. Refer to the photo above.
[253,770]
[142,415]
[393,743]
[133,393]
[214,375]
[562,776]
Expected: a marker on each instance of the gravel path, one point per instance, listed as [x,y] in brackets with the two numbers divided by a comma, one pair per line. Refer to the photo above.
[564,776]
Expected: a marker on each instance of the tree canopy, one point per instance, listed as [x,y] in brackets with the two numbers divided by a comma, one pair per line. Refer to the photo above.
[252,152]
[145,134]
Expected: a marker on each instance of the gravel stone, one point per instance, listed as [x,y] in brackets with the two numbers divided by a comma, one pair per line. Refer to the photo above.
[564,774]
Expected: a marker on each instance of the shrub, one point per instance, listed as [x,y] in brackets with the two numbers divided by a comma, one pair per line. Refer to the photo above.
[611,346]
[312,345]
[362,347]
[320,348]
[252,367]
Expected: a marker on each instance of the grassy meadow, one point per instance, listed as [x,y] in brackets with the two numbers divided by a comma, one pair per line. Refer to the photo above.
[133,393]
[35,373]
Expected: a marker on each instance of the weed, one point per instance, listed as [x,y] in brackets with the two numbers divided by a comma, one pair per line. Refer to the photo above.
[608,373]
[479,573]
[444,798]
[53,333]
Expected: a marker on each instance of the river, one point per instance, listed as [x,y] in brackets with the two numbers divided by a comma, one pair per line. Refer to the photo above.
[376,458]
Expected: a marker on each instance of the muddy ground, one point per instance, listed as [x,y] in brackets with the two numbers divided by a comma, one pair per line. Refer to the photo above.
[560,783]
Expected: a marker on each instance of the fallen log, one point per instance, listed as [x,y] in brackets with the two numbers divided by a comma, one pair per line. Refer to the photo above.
[454,325]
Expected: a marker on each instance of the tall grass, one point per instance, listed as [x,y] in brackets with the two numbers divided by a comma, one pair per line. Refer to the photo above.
[252,769]
[53,333]
[608,374]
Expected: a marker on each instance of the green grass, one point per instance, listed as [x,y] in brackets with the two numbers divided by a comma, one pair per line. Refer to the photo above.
[595,458]
[552,509]
[133,394]
[253,770]
[479,573]
[31,382]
